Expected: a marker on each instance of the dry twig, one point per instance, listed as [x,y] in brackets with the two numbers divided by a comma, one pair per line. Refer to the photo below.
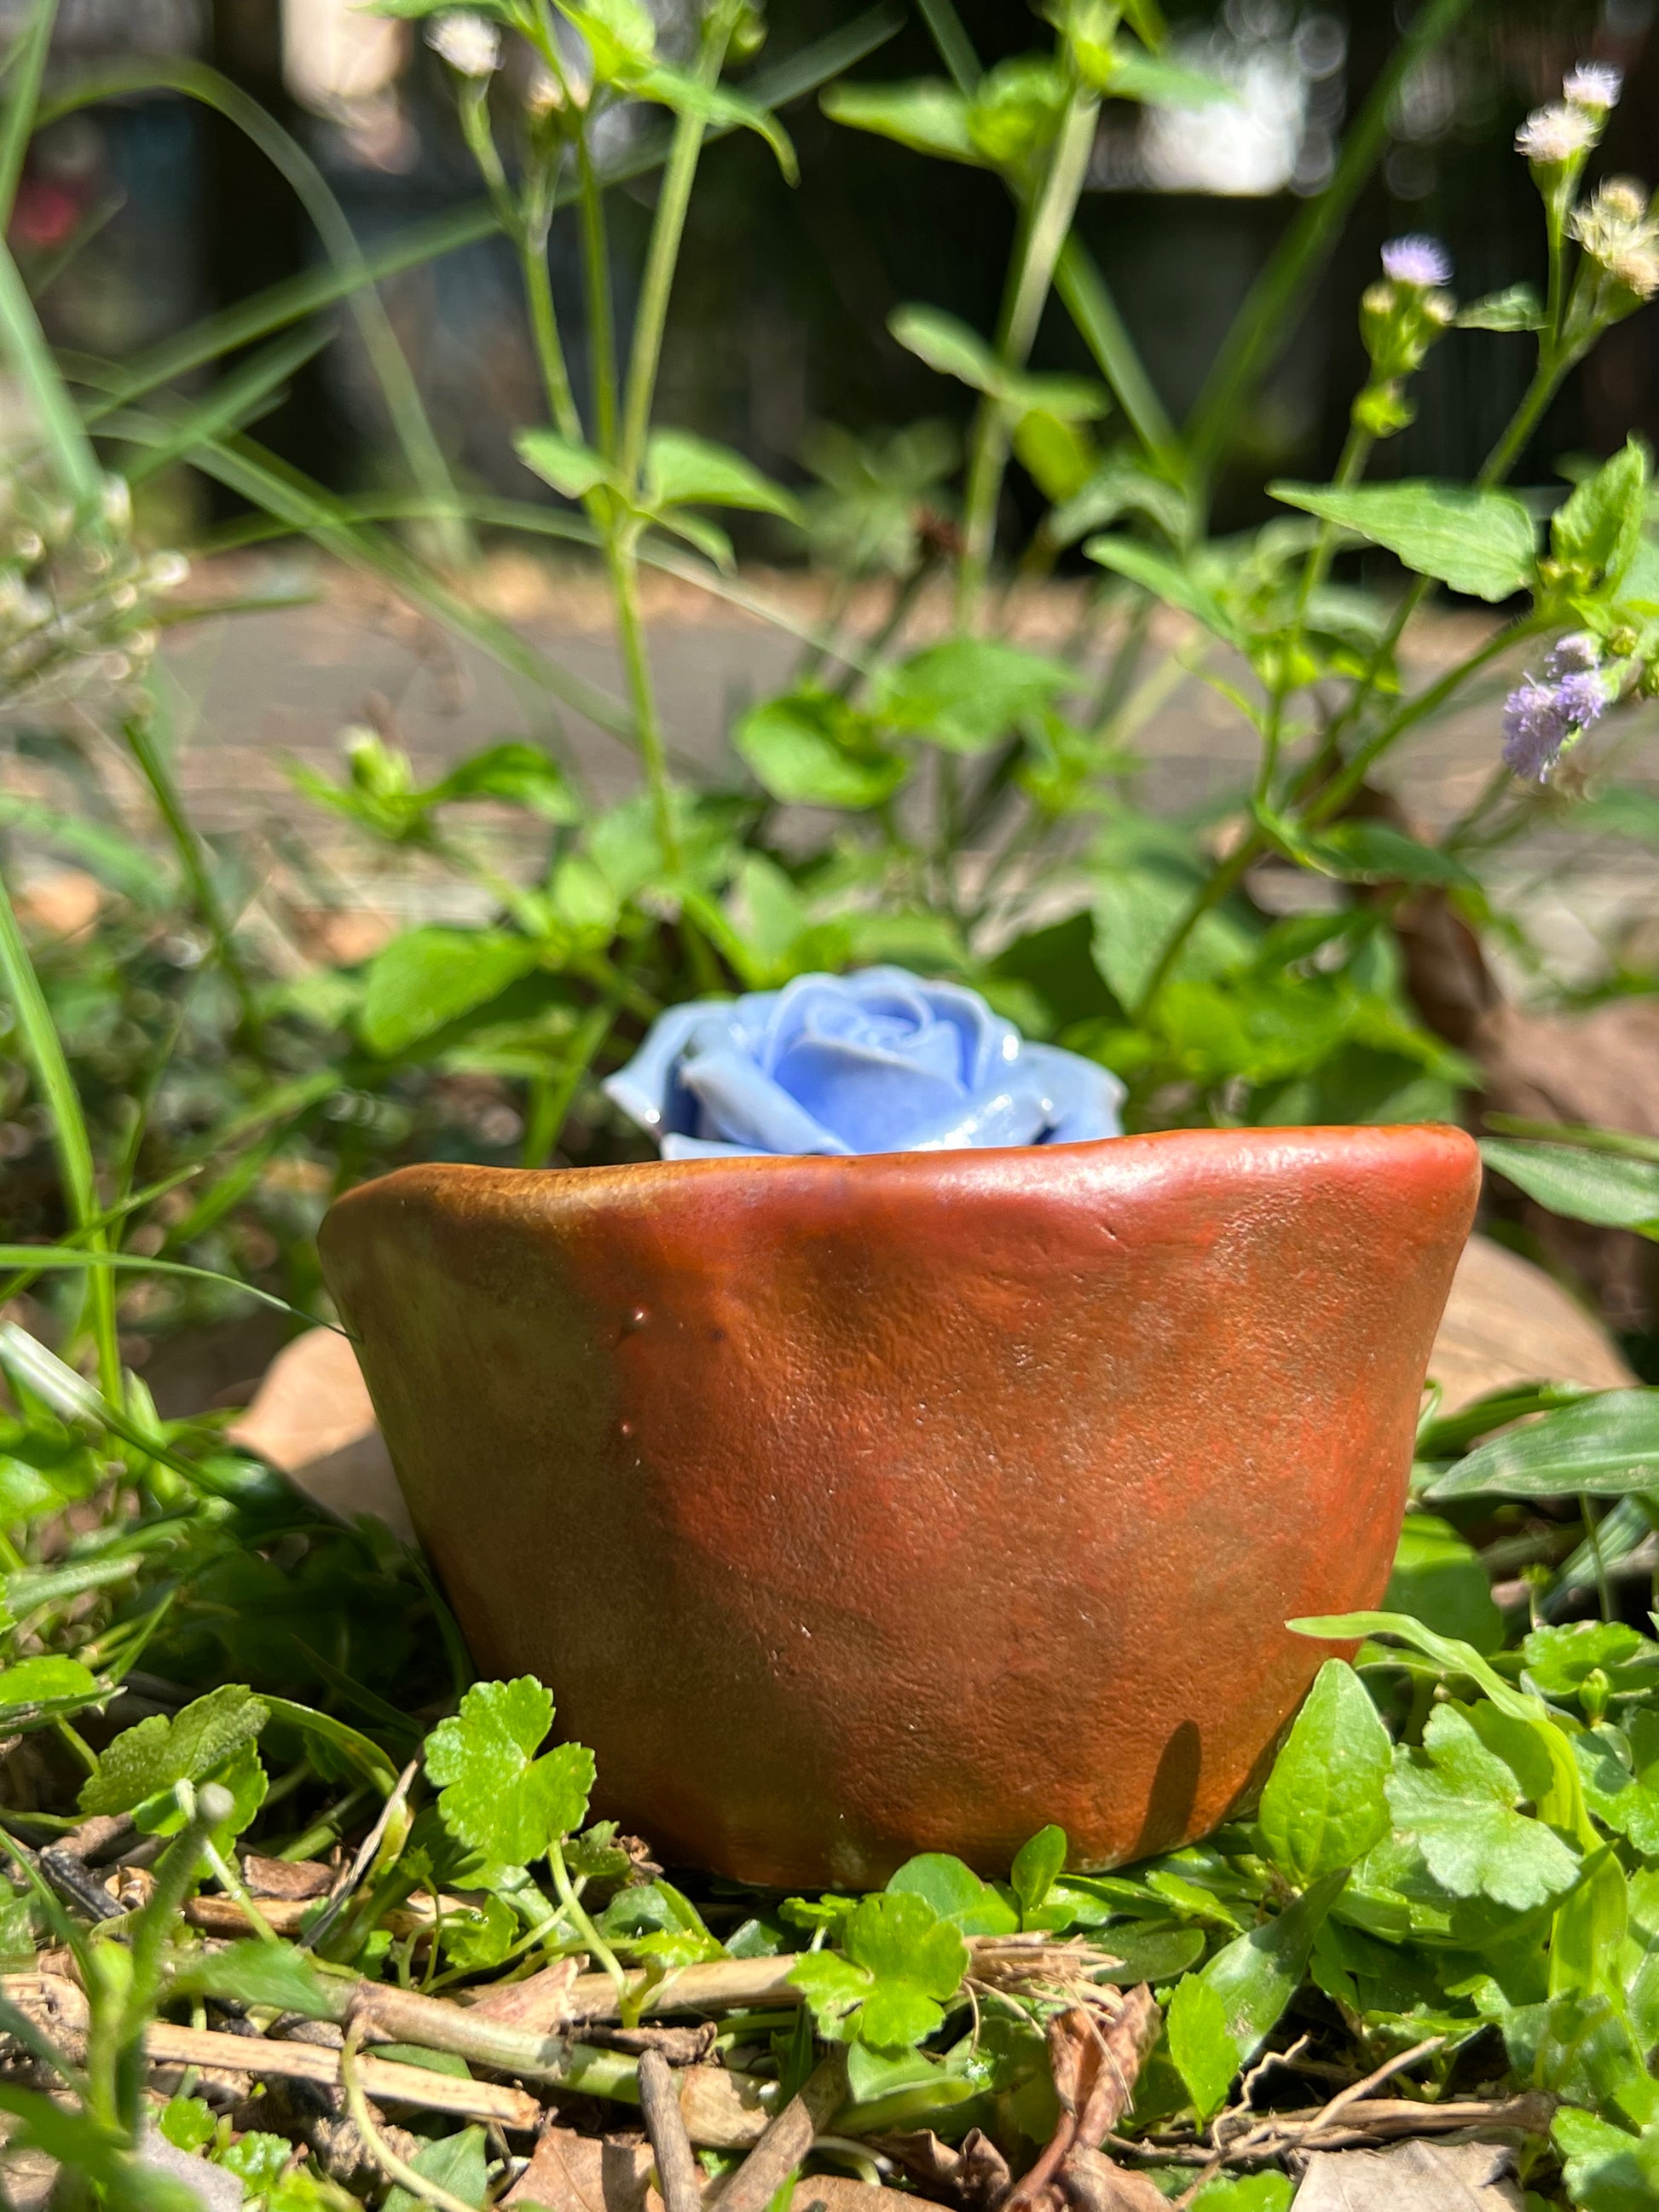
[677,2176]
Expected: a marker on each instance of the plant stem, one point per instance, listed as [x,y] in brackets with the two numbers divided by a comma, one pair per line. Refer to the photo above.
[158,774]
[667,228]
[623,565]
[44,1052]
[1043,230]
[601,312]
[577,1913]
[544,1123]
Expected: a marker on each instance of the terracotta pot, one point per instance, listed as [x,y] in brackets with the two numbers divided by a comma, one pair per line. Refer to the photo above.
[853,1508]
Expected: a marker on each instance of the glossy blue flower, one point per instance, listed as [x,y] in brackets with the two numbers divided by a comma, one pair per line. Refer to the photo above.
[880,1061]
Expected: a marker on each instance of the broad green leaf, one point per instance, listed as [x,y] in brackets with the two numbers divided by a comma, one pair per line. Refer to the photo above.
[1375,852]
[1057,456]
[152,1756]
[955,1892]
[494,1795]
[45,1681]
[242,1774]
[188,2124]
[1438,1579]
[1246,2192]
[1479,541]
[457,2164]
[1607,1445]
[1607,2170]
[1558,1661]
[1257,1974]
[572,469]
[1202,2044]
[947,345]
[621,35]
[680,468]
[1136,909]
[1168,579]
[1457,1800]
[967,693]
[431,976]
[928,116]
[810,749]
[915,1962]
[1586,1186]
[1324,1806]
[1595,536]
[521,774]
[259,1973]
[1037,1866]
[717,107]
[833,1987]
[1517,308]
[1150,1954]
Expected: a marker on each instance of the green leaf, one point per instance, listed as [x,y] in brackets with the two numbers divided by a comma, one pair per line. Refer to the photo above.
[1152,1954]
[454,2163]
[956,1893]
[571,469]
[810,749]
[1375,852]
[1517,308]
[1596,534]
[1438,1579]
[1607,2169]
[47,1681]
[148,1758]
[717,107]
[1324,1806]
[1558,1661]
[188,2124]
[1257,1974]
[1479,541]
[1457,1800]
[946,345]
[1202,2044]
[1584,1186]
[680,469]
[833,1987]
[915,1961]
[522,775]
[1247,2192]
[1607,1445]
[621,35]
[1158,84]
[495,1795]
[1037,1866]
[967,693]
[260,1974]
[928,116]
[1167,579]
[431,976]
[242,1774]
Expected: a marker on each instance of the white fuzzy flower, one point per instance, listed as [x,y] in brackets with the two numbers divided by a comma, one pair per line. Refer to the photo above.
[1595,85]
[1552,135]
[471,45]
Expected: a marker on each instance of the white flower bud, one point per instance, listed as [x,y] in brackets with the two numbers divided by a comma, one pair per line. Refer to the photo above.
[1551,136]
[1595,85]
[470,44]
[166,571]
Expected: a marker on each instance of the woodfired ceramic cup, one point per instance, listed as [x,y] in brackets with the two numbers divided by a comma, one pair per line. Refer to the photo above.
[853,1508]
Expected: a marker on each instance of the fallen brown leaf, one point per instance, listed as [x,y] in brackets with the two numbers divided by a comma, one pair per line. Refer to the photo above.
[1508,1322]
[311,1418]
[1414,2176]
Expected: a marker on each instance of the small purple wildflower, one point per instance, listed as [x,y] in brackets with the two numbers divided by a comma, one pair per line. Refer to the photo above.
[1541,718]
[1417,259]
[1595,85]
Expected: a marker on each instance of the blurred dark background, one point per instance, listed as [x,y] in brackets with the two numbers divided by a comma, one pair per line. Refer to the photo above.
[779,319]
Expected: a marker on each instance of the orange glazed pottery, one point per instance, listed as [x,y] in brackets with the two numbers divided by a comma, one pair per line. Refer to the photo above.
[853,1508]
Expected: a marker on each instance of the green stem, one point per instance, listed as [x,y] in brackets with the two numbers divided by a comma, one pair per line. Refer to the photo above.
[169,805]
[667,229]
[545,1124]
[601,312]
[44,1052]
[596,1943]
[1043,230]
[26,65]
[636,660]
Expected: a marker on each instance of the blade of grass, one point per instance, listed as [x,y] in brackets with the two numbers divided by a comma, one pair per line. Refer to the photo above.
[38,1258]
[197,80]
[1267,320]
[956,48]
[26,67]
[231,402]
[44,1049]
[60,428]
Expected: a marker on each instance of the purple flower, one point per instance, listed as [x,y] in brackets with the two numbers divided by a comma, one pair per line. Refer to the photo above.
[877,1062]
[1595,85]
[1541,718]
[1417,259]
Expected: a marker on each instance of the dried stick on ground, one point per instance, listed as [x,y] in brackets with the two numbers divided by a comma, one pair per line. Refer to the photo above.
[677,2176]
[386,2081]
[787,2141]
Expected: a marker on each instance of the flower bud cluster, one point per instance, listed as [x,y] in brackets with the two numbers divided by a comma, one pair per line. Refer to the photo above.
[1557,138]
[77,602]
[1541,718]
[1617,228]
[470,44]
[1399,319]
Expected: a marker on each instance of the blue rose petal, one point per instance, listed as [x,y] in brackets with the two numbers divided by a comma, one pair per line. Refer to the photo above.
[881,1061]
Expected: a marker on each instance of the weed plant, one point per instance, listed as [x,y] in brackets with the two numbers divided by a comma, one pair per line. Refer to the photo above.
[1447,1897]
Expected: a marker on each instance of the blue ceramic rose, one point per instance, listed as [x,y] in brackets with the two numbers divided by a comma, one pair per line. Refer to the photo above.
[876,1062]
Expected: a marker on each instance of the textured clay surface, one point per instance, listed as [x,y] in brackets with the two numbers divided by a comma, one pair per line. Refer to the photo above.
[857,1508]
